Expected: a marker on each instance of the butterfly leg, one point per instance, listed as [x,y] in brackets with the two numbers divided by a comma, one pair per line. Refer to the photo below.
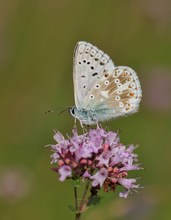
[98,125]
[83,128]
[75,122]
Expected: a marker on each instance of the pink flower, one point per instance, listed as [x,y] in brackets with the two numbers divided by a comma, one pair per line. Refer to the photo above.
[99,177]
[64,171]
[128,183]
[97,156]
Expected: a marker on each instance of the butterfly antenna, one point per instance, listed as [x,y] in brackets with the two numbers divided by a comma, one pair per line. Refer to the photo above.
[54,110]
[63,110]
[50,111]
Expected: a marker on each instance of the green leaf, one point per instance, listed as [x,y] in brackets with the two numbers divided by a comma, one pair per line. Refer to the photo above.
[72,208]
[76,182]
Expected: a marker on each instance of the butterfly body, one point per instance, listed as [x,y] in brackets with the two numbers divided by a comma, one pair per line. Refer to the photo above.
[102,91]
[90,117]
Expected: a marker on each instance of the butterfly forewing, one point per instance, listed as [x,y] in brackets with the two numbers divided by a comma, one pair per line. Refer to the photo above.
[117,90]
[90,63]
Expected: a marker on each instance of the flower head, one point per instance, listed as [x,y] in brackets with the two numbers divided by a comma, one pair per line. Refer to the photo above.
[98,156]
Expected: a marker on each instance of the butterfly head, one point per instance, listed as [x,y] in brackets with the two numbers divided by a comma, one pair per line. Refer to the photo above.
[72,111]
[80,114]
[84,116]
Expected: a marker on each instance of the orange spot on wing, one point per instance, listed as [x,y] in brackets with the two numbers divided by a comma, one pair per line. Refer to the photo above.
[131,94]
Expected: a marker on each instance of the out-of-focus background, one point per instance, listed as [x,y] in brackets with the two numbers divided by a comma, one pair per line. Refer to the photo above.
[37,38]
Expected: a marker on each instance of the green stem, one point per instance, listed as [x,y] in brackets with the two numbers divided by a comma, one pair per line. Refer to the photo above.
[84,197]
[78,216]
[75,196]
[80,208]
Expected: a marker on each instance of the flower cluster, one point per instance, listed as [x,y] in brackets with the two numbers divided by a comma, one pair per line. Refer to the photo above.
[98,156]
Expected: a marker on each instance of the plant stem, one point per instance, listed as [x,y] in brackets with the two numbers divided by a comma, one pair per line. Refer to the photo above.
[75,196]
[84,196]
[80,208]
[78,216]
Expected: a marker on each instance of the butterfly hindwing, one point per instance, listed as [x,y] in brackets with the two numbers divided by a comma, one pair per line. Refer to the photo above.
[89,65]
[117,90]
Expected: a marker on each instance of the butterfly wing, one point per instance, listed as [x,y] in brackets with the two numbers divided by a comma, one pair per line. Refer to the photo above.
[116,93]
[89,65]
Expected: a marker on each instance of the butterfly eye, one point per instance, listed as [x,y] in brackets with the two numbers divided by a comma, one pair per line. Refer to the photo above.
[106,82]
[91,96]
[72,111]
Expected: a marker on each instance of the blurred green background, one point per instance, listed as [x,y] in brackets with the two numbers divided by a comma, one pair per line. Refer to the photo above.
[37,38]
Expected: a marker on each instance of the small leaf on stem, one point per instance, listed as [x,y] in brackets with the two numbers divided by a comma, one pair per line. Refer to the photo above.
[72,208]
[76,182]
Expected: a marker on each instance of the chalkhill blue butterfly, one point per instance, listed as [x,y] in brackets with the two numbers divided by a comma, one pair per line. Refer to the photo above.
[102,90]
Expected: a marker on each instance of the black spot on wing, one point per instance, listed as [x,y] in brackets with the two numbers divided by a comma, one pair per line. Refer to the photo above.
[94,74]
[101,63]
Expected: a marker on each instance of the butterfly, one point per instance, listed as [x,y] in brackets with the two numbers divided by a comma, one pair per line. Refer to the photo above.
[102,90]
